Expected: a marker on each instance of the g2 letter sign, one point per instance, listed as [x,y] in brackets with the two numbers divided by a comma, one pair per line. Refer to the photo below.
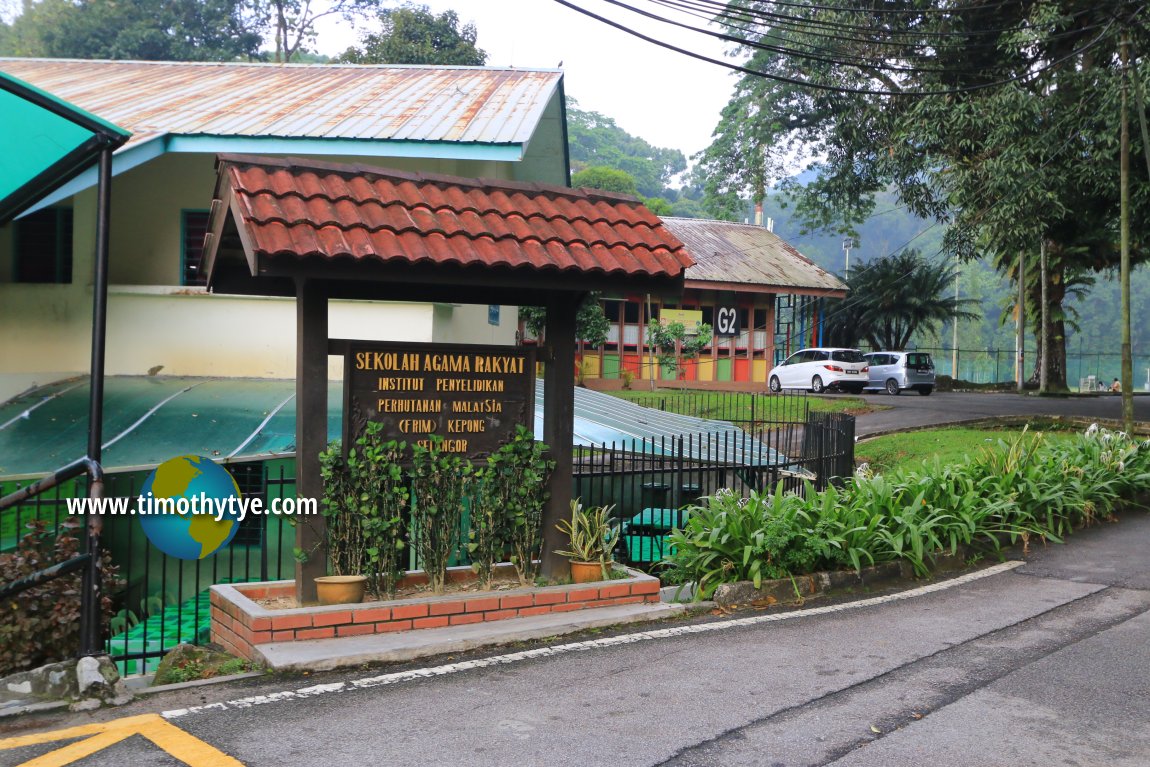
[726,321]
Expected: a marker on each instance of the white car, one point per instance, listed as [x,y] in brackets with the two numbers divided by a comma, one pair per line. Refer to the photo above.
[820,369]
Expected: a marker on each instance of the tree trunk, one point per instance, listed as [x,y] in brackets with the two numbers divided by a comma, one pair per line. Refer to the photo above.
[1055,294]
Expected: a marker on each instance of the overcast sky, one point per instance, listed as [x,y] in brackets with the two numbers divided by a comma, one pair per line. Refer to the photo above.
[669,99]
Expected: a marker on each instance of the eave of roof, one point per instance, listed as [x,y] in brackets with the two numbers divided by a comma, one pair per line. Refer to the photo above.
[347,220]
[748,258]
[471,113]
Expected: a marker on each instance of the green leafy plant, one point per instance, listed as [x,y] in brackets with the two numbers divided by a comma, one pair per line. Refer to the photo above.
[672,343]
[591,533]
[438,482]
[365,502]
[1018,490]
[42,624]
[500,509]
[516,480]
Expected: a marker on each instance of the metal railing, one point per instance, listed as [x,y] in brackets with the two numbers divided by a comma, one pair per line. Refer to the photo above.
[160,601]
[163,601]
[89,560]
[650,483]
[755,412]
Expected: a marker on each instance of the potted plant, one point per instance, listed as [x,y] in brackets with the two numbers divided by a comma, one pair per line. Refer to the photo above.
[592,538]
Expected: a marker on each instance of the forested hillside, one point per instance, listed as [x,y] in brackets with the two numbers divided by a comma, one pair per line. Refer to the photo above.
[1092,349]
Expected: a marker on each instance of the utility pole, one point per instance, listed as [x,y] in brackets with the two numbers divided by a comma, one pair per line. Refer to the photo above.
[1044,319]
[1020,334]
[848,243]
[954,343]
[1124,219]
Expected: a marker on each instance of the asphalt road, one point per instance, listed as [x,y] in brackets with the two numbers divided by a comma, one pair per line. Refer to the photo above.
[1044,664]
[913,410]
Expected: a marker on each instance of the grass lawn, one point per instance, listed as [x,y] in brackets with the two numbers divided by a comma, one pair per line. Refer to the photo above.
[736,406]
[952,445]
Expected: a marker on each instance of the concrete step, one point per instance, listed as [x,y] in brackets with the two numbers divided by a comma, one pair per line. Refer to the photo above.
[326,654]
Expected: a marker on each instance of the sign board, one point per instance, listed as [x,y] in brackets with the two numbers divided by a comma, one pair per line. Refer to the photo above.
[471,396]
[691,318]
[726,321]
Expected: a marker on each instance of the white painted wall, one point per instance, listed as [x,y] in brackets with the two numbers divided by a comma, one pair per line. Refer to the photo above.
[45,330]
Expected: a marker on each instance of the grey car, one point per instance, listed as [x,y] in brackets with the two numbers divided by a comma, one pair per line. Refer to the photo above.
[895,371]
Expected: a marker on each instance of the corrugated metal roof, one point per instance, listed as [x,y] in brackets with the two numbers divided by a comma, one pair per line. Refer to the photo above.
[300,208]
[603,421]
[751,255]
[148,420]
[401,103]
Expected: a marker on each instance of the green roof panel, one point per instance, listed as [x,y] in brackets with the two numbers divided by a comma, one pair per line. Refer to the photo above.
[44,142]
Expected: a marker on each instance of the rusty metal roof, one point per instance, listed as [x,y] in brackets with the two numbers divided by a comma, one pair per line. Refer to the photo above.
[750,256]
[397,103]
[295,209]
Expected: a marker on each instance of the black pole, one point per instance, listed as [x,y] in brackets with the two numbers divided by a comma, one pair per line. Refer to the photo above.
[91,584]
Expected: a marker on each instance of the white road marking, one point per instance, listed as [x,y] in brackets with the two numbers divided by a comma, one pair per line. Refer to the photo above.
[592,644]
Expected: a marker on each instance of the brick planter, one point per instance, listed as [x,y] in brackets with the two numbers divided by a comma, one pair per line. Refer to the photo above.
[239,624]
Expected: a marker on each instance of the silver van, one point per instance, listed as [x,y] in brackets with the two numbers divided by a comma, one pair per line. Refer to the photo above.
[895,371]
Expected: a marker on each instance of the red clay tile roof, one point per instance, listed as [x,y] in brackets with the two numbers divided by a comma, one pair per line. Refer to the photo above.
[301,208]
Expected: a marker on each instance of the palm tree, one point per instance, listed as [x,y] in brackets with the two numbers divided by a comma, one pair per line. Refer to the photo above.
[892,298]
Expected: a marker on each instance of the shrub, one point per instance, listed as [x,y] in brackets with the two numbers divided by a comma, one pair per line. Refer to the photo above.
[365,502]
[437,483]
[514,489]
[1025,488]
[42,624]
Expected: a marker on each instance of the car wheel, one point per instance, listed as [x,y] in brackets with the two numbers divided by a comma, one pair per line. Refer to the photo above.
[926,390]
[774,385]
[892,387]
[817,385]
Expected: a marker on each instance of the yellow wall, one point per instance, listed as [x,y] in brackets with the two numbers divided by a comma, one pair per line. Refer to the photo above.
[45,330]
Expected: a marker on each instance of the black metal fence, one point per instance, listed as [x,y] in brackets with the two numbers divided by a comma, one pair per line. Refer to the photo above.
[161,601]
[755,412]
[651,483]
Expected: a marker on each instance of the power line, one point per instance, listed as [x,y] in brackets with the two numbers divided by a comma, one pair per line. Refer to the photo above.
[1022,77]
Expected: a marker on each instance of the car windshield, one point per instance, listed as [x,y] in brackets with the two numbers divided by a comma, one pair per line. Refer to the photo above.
[918,360]
[847,355]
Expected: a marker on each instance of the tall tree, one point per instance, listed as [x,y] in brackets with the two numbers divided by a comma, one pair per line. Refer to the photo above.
[893,298]
[595,140]
[1013,143]
[292,22]
[150,30]
[607,179]
[414,35]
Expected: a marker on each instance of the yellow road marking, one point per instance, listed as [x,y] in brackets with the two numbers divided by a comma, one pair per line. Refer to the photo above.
[188,749]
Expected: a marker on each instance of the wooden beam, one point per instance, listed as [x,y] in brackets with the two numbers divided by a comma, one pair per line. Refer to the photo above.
[310,430]
[390,280]
[559,427]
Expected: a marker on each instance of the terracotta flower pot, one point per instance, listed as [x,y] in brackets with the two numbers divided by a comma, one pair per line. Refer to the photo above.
[586,572]
[340,589]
